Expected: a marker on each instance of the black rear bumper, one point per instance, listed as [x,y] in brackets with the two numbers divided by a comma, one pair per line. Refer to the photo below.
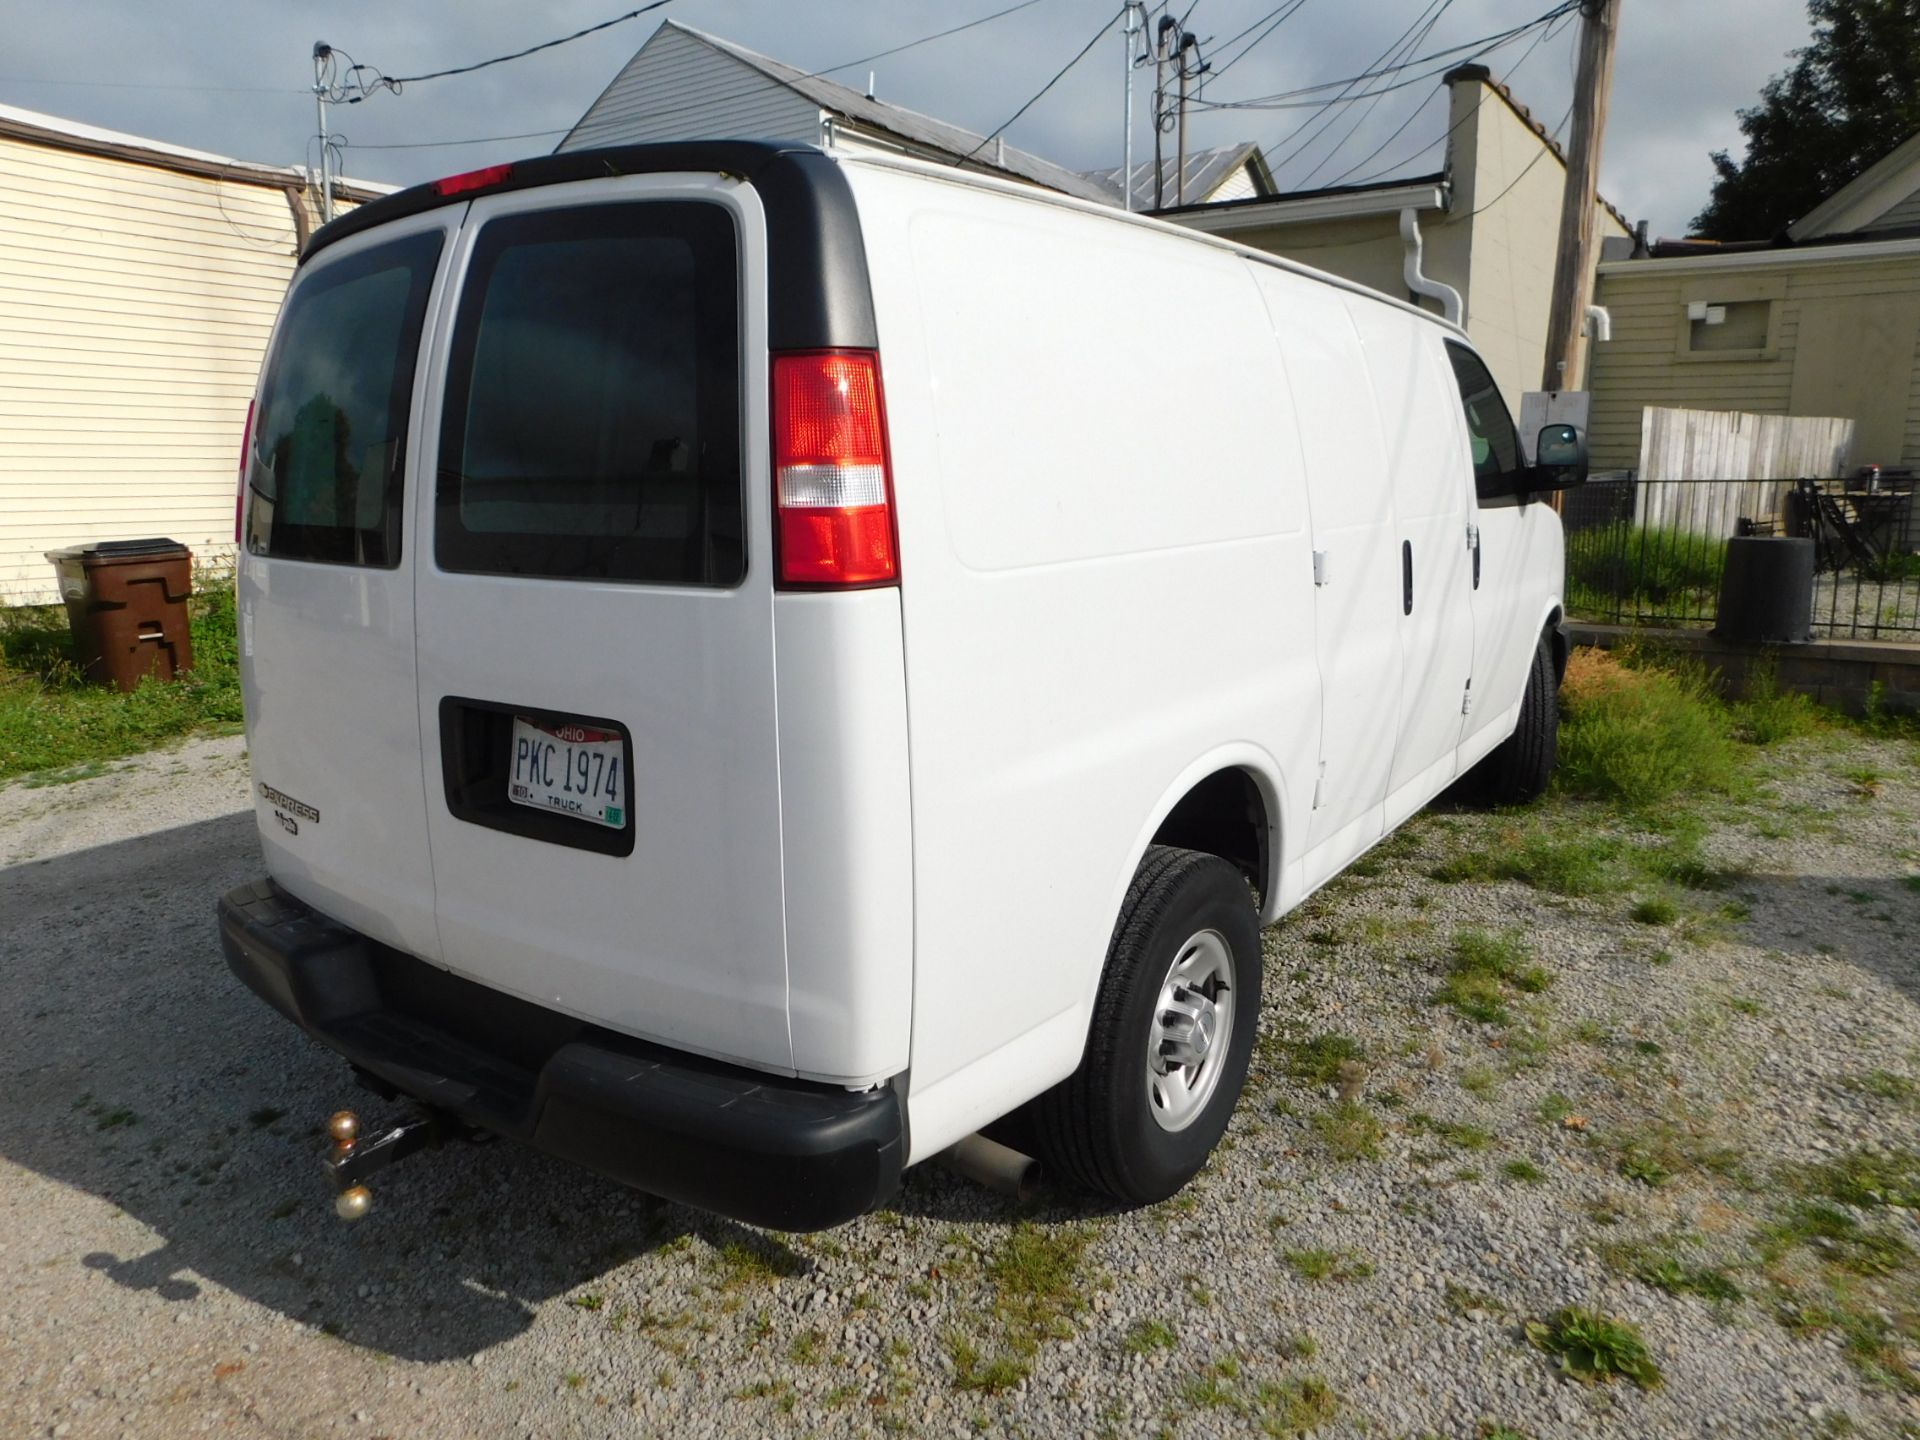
[786,1154]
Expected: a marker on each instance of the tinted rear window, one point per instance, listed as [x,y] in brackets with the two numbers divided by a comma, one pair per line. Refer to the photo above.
[330,435]
[592,424]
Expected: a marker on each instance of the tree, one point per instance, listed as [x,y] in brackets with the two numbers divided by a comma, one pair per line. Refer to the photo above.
[1852,95]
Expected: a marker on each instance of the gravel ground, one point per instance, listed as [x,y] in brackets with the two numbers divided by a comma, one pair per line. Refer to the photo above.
[1663,1097]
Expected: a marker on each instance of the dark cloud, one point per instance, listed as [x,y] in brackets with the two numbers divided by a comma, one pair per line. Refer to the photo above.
[193,72]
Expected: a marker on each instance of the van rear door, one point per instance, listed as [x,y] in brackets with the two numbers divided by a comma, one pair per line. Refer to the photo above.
[326,582]
[594,613]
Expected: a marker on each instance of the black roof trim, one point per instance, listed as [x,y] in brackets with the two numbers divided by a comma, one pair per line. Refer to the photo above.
[818,295]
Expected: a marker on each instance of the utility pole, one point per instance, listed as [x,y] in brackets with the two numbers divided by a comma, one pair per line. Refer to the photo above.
[1162,40]
[1188,41]
[1573,271]
[322,57]
[1136,22]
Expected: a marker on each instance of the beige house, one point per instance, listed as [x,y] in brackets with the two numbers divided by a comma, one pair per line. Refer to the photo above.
[1824,321]
[138,283]
[1485,225]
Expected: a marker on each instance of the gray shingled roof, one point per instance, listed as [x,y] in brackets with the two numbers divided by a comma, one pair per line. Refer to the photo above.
[911,125]
[1205,170]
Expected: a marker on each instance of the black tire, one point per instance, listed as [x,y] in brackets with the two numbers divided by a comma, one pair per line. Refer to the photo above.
[1518,769]
[1097,1129]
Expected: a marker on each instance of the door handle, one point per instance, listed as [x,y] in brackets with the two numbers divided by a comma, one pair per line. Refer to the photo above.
[1406,577]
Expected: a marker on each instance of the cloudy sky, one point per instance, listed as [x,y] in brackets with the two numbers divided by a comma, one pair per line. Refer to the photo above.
[233,77]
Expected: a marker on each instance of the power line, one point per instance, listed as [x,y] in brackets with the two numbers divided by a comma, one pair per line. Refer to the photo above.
[1447,134]
[1059,75]
[397,81]
[924,39]
[1278,16]
[444,144]
[1316,124]
[1295,99]
[708,100]
[1413,43]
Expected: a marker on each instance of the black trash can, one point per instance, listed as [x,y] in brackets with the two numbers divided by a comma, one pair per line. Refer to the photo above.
[127,606]
[1766,590]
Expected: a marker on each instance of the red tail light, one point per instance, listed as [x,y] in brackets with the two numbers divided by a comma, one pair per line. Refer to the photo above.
[240,488]
[472,180]
[831,489]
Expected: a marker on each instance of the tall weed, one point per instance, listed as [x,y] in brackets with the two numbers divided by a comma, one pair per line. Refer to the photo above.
[1641,734]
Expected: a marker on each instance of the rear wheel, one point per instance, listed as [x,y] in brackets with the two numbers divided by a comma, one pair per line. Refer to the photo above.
[1518,769]
[1172,1034]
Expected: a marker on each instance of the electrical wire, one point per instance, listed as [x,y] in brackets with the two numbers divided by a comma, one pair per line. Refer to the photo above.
[1412,44]
[1296,99]
[1322,118]
[1420,109]
[156,85]
[710,100]
[397,81]
[1059,75]
[1279,15]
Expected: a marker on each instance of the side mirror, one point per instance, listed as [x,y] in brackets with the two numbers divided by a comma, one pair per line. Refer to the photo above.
[1559,459]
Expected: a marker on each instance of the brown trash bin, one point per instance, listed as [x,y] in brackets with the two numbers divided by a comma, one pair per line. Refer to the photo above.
[127,605]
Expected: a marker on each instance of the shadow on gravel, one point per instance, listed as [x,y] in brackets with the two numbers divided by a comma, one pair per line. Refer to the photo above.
[137,1069]
[1867,921]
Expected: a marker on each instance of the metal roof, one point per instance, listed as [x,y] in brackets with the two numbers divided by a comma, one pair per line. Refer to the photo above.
[53,130]
[1206,169]
[909,125]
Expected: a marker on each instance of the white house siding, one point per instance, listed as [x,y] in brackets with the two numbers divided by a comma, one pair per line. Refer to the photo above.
[676,88]
[135,304]
[1904,216]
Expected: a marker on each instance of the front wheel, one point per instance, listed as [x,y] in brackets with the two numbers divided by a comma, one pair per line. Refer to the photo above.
[1171,1038]
[1518,768]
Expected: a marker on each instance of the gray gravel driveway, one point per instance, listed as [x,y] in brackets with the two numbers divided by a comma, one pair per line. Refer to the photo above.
[1678,1119]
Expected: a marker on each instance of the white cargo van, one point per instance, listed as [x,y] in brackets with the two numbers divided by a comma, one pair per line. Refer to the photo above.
[759,665]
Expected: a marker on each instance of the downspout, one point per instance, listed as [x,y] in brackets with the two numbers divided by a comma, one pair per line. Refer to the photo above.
[1599,323]
[1450,304]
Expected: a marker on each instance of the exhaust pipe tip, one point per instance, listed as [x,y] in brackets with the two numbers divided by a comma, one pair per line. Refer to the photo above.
[998,1167]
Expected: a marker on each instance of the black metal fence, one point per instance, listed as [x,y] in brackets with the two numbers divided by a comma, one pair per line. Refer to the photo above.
[1651,552]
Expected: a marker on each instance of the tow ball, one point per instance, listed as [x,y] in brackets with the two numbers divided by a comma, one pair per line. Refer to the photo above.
[355,1154]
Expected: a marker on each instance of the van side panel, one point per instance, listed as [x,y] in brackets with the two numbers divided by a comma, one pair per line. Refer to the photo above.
[1418,406]
[846,828]
[1105,579]
[1356,608]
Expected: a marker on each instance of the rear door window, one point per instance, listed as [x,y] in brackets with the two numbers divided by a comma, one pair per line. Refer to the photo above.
[326,469]
[592,421]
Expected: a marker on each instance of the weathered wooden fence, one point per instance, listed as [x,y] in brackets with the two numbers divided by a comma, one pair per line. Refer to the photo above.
[1738,463]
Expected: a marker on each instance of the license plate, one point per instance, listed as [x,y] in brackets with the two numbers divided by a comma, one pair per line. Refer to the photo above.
[575,769]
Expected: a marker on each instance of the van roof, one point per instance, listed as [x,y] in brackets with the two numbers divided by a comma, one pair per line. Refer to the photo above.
[806,196]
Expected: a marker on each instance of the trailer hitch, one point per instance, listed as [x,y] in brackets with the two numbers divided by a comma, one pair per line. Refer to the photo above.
[354,1155]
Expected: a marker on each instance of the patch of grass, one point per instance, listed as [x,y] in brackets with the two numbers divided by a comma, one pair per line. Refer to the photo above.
[1676,1145]
[1642,735]
[1837,1238]
[1350,1131]
[1593,1347]
[978,1374]
[1319,1264]
[757,1262]
[1884,1085]
[1524,1172]
[1483,972]
[1295,1406]
[1709,1282]
[1868,1179]
[52,719]
[1766,714]
[1573,866]
[807,1348]
[1654,910]
[1650,567]
[588,1302]
[1460,1300]
[1036,1274]
[1318,1060]
[1456,1133]
[1145,1336]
